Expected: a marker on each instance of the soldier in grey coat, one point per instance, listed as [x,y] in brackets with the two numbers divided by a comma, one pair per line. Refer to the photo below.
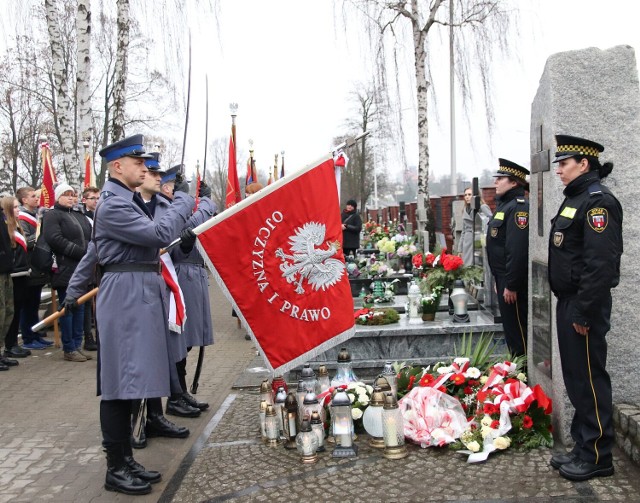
[130,310]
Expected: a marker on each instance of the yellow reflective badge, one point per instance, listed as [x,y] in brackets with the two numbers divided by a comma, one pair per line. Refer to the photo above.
[522,219]
[568,212]
[598,219]
[499,216]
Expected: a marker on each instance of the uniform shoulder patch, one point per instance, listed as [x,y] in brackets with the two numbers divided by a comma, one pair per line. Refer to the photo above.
[598,219]
[499,215]
[522,219]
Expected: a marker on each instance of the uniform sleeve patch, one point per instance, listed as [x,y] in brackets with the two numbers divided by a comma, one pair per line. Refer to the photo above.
[598,219]
[522,219]
[499,216]
[568,212]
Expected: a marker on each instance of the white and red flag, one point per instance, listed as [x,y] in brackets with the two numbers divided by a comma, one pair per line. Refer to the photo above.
[278,257]
[177,311]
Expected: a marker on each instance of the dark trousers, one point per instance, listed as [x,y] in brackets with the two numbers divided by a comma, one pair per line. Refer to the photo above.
[584,360]
[19,295]
[115,422]
[514,319]
[29,315]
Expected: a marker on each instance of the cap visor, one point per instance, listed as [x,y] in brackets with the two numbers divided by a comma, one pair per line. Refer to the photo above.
[562,157]
[139,156]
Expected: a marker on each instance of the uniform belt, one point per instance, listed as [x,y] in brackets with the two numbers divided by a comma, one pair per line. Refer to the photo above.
[196,261]
[132,267]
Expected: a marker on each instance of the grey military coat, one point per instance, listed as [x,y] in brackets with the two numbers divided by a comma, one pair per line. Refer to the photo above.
[194,281]
[131,307]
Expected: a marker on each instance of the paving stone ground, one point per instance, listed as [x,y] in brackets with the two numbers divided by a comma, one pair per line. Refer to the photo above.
[50,448]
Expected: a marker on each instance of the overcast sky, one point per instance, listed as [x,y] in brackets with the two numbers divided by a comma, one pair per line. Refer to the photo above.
[290,66]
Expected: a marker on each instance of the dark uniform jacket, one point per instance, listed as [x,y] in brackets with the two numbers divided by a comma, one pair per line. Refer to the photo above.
[29,229]
[6,253]
[585,244]
[508,239]
[68,233]
[351,235]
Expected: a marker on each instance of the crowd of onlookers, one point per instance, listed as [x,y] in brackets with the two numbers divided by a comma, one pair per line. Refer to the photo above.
[66,229]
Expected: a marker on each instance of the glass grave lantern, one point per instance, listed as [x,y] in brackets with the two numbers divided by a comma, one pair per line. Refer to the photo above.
[271,426]
[307,443]
[342,426]
[393,429]
[308,377]
[391,377]
[459,299]
[290,420]
[372,419]
[382,382]
[311,405]
[344,372]
[266,393]
[263,417]
[323,379]
[318,428]
[414,296]
[278,405]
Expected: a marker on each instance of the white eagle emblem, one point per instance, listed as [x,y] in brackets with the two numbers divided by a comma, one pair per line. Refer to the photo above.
[308,262]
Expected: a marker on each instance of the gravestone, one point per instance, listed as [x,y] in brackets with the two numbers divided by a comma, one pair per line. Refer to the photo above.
[594,94]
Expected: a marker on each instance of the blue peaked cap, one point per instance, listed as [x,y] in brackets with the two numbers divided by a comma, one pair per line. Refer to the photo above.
[153,164]
[133,146]
[171,174]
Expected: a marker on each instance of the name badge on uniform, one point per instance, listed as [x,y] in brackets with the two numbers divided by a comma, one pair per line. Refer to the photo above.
[499,216]
[522,219]
[494,232]
[558,238]
[598,219]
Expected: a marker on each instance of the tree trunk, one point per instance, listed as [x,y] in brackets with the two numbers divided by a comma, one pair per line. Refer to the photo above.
[83,77]
[422,87]
[120,84]
[64,103]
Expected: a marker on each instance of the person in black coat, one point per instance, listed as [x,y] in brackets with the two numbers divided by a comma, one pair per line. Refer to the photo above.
[68,233]
[351,227]
[6,285]
[585,246]
[508,252]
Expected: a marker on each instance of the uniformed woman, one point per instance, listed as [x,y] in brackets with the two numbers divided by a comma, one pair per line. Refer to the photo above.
[508,252]
[585,245]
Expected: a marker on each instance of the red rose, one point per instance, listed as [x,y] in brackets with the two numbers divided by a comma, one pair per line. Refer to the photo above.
[482,396]
[495,424]
[429,259]
[489,408]
[527,422]
[451,262]
[417,260]
[467,390]
[443,389]
[473,382]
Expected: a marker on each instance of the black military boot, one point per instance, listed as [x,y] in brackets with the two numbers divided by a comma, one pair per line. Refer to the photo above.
[90,342]
[138,470]
[178,406]
[159,426]
[119,477]
[193,401]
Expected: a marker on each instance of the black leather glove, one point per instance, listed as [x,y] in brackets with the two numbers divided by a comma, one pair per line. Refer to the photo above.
[205,190]
[181,184]
[69,304]
[187,240]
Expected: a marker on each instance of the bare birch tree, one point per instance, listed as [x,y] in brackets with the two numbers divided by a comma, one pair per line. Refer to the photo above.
[481,27]
[83,75]
[121,68]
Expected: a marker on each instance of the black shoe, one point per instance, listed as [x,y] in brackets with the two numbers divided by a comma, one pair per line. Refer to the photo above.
[181,408]
[559,459]
[122,480]
[141,472]
[581,470]
[191,400]
[8,361]
[3,367]
[90,343]
[160,426]
[16,352]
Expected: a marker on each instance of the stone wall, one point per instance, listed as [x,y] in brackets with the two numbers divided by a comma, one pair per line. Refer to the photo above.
[594,94]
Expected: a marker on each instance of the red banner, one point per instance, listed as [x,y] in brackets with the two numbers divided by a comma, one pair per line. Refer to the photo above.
[279,259]
[233,194]
[89,179]
[47,198]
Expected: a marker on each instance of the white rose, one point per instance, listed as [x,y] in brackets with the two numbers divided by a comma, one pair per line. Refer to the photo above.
[484,379]
[363,399]
[356,414]
[502,443]
[472,373]
[486,431]
[369,388]
[486,421]
[473,446]
[352,398]
[522,377]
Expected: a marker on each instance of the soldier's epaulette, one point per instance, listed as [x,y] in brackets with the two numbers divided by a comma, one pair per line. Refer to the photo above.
[521,200]
[595,189]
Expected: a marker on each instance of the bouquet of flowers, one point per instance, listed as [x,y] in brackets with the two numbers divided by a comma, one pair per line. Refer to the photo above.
[360,395]
[443,269]
[386,246]
[431,301]
[383,316]
[377,269]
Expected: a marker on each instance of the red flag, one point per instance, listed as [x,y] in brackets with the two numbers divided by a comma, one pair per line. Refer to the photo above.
[286,278]
[88,172]
[47,199]
[233,185]
[177,311]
